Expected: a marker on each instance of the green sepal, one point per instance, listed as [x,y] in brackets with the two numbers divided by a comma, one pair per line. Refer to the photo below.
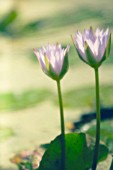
[108,46]
[107,51]
[64,67]
[78,52]
[91,60]
[47,63]
[52,74]
[80,56]
[50,71]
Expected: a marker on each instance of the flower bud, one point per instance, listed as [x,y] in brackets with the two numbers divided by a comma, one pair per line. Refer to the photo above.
[53,60]
[93,48]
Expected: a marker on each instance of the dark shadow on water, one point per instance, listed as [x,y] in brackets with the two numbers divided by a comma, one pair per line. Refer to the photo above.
[106,114]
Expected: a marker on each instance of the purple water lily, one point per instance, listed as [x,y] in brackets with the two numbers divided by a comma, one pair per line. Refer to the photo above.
[53,60]
[92,47]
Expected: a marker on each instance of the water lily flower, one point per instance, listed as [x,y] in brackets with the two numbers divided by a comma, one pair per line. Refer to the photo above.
[53,60]
[93,48]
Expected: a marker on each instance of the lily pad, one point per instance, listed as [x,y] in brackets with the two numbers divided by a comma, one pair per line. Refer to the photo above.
[106,133]
[79,153]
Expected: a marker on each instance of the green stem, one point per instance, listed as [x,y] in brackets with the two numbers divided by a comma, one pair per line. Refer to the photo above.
[96,150]
[62,127]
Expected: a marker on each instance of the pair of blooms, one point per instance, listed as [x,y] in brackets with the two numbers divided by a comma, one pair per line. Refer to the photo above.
[92,48]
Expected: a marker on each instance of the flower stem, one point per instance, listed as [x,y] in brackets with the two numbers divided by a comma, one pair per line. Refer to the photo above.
[62,126]
[96,150]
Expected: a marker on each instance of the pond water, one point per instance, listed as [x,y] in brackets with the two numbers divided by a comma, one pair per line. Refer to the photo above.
[26,24]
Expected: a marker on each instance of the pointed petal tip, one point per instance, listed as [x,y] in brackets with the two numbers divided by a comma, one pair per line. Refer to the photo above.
[35,50]
[107,31]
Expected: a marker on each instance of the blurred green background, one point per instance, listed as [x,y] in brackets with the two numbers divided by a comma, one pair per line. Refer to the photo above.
[29,114]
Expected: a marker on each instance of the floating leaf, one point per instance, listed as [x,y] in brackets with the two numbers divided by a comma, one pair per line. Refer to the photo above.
[79,153]
[106,133]
[7,20]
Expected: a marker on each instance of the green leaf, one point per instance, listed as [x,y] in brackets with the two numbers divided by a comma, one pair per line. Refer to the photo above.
[79,153]
[8,19]
[106,133]
[91,59]
[47,62]
[29,98]
[108,47]
[25,166]
[107,51]
[64,67]
[81,56]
